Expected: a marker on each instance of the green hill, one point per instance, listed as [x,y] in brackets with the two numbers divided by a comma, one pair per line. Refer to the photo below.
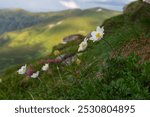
[40,36]
[16,19]
[118,70]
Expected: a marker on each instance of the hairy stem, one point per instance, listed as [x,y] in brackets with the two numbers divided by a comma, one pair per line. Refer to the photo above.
[109,46]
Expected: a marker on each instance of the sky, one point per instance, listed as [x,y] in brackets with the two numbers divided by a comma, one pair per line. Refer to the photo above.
[57,5]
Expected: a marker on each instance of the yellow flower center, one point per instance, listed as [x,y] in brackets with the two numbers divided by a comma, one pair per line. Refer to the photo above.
[98,35]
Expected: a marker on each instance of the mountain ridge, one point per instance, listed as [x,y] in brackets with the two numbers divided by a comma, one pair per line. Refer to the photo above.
[14,15]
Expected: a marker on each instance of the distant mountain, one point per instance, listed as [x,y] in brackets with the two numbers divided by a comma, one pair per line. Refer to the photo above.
[16,19]
[13,19]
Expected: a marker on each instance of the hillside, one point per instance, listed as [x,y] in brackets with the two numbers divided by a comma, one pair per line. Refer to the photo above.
[37,40]
[116,67]
[16,19]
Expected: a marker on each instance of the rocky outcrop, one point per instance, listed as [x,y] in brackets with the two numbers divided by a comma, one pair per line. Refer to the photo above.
[72,37]
[147,1]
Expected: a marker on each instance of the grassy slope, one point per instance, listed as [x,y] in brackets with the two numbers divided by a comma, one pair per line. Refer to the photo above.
[99,76]
[36,41]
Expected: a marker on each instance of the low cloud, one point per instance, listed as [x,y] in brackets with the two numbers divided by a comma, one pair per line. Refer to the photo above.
[69,4]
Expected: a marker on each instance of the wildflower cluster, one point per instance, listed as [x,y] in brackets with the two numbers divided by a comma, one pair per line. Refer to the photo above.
[95,36]
[30,72]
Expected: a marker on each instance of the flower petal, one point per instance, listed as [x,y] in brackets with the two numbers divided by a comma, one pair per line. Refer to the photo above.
[93,33]
[99,29]
[82,46]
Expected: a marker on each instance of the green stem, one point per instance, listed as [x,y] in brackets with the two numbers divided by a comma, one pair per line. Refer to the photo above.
[30,95]
[109,46]
[59,74]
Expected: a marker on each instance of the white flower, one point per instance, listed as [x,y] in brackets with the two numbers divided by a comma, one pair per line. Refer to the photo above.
[98,34]
[45,67]
[83,46]
[35,75]
[22,70]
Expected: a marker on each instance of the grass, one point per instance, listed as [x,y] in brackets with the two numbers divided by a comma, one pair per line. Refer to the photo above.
[102,74]
[128,81]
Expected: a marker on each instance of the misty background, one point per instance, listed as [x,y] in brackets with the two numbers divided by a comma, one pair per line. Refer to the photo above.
[57,5]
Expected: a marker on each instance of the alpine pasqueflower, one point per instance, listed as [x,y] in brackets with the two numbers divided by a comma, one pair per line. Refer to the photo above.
[83,45]
[22,70]
[35,75]
[45,67]
[98,34]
